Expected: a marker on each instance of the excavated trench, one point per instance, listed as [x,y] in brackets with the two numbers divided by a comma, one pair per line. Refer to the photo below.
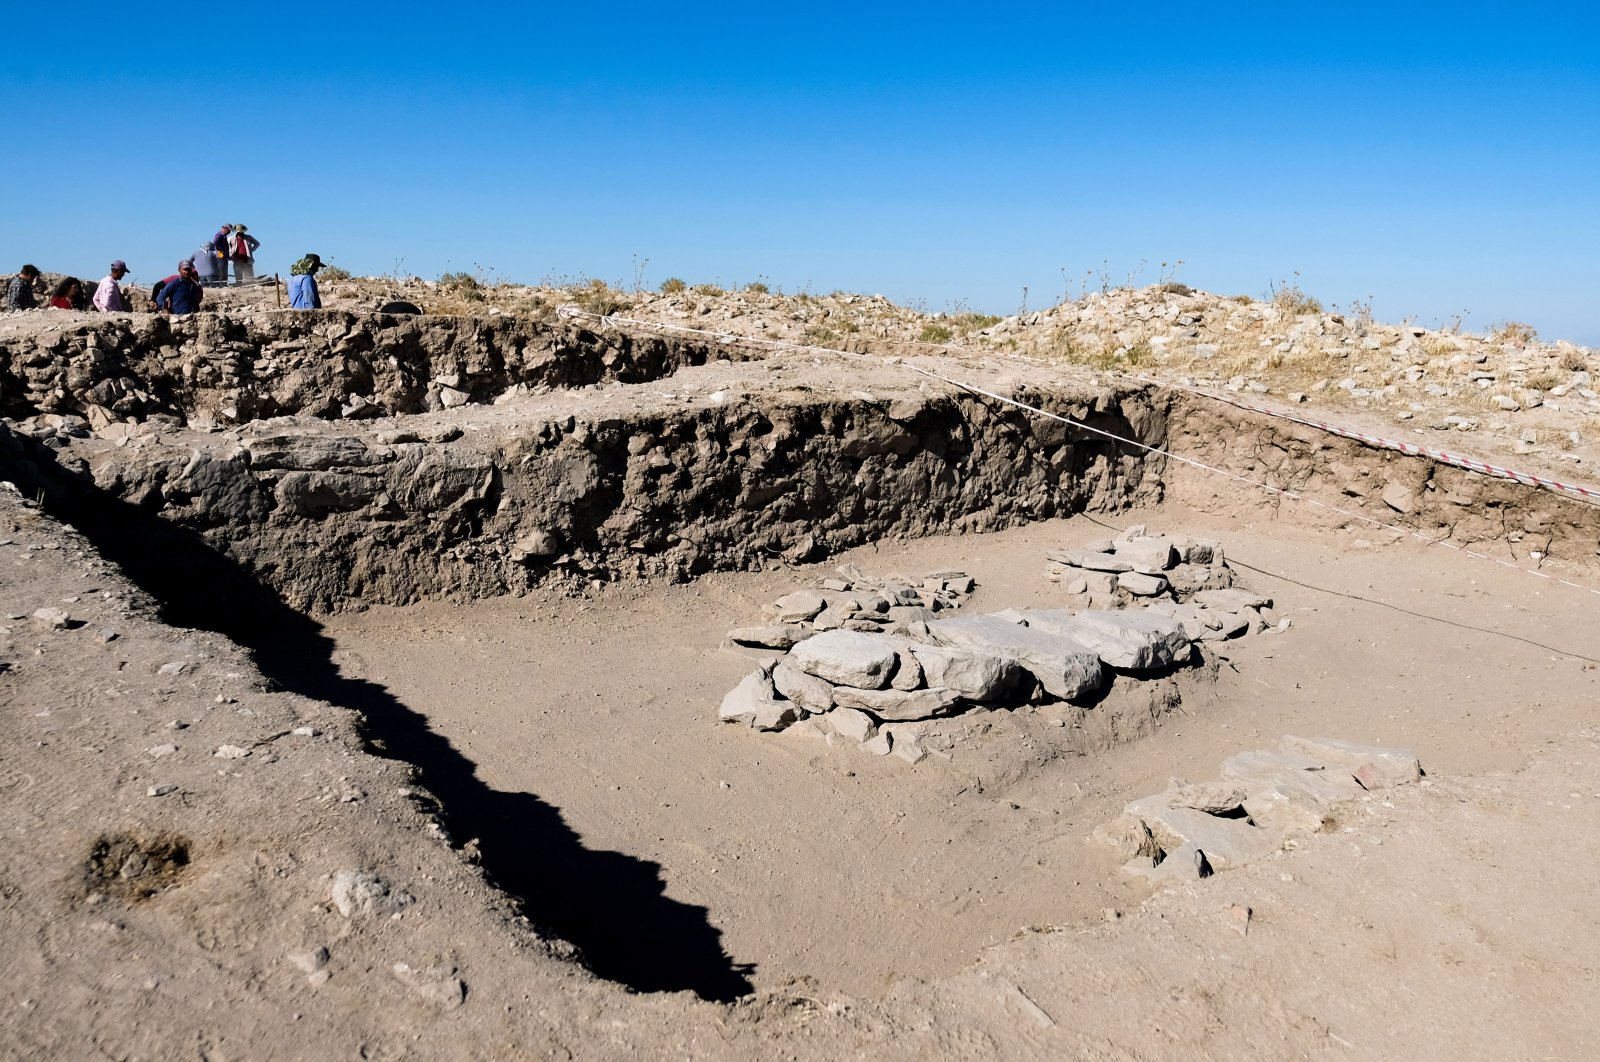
[644,495]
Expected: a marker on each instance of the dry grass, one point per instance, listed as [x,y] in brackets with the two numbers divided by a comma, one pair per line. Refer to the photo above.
[1513,332]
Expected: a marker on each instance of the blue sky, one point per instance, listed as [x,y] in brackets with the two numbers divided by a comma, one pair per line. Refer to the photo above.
[1440,159]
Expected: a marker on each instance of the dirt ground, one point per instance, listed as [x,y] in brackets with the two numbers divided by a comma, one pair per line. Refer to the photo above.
[397,833]
[829,867]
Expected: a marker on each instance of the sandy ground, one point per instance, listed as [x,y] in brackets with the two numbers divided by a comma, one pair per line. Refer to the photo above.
[829,867]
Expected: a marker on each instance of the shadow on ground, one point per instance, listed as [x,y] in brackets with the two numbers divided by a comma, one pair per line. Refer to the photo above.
[610,905]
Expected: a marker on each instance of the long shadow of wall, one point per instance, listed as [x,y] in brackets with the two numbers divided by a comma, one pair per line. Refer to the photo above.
[610,905]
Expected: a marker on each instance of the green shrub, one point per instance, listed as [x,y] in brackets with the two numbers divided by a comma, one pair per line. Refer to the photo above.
[935,333]
[333,272]
[460,281]
[757,287]
[673,286]
[707,289]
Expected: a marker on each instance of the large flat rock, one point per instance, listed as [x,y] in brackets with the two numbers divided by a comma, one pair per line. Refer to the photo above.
[847,658]
[1063,666]
[1227,842]
[976,675]
[898,706]
[1133,639]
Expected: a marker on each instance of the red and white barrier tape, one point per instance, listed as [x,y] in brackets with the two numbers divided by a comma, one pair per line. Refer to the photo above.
[569,311]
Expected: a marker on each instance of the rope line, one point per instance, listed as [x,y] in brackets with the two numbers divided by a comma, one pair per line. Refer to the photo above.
[570,311]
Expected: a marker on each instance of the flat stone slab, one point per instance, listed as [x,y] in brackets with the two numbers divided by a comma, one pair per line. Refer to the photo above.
[847,658]
[1141,584]
[809,692]
[1094,562]
[1229,842]
[1397,766]
[898,706]
[1233,599]
[1157,553]
[975,675]
[1133,639]
[800,606]
[771,635]
[1064,667]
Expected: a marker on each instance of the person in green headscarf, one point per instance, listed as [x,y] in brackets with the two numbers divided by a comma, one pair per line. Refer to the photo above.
[303,293]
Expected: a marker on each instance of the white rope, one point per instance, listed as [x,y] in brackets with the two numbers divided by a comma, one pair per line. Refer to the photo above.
[570,311]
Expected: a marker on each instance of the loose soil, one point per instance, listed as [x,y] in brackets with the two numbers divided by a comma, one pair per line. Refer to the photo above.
[837,868]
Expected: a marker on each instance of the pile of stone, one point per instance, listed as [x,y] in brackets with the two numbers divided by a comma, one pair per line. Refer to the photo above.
[856,601]
[1263,799]
[1187,579]
[873,687]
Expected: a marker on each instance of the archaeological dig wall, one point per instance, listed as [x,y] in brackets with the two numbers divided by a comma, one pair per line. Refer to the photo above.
[254,472]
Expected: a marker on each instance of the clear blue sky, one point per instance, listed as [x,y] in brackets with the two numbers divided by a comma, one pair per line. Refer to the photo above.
[1438,158]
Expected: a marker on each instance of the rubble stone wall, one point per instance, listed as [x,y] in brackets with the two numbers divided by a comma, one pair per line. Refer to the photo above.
[214,368]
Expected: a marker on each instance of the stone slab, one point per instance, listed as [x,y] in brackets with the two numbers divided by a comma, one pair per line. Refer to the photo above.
[1065,668]
[1133,639]
[771,635]
[809,692]
[1397,765]
[898,705]
[976,675]
[847,658]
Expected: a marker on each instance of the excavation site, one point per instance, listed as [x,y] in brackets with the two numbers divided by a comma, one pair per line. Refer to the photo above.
[772,677]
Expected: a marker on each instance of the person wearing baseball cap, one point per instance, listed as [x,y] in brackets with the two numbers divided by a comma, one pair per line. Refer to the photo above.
[183,293]
[108,296]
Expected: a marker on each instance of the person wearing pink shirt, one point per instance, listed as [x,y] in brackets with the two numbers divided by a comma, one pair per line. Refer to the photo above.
[108,296]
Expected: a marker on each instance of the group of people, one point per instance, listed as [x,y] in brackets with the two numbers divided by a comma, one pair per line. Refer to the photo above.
[231,244]
[182,292]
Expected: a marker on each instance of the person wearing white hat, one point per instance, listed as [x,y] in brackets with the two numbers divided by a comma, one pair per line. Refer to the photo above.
[242,251]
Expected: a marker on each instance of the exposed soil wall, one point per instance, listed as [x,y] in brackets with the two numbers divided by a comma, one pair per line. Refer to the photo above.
[330,518]
[272,437]
[1525,525]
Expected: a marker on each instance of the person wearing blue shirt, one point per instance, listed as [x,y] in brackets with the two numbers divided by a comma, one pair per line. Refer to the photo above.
[303,294]
[182,294]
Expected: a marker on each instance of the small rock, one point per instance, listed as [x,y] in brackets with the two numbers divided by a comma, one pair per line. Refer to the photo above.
[161,790]
[173,667]
[159,751]
[231,752]
[853,724]
[435,984]
[304,731]
[1239,918]
[754,702]
[359,892]
[309,961]
[105,635]
[57,619]
[881,745]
